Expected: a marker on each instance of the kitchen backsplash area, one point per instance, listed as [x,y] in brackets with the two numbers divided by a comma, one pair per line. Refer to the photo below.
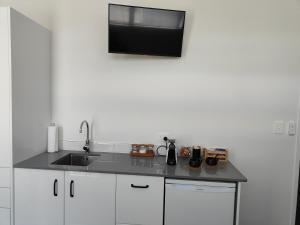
[96,146]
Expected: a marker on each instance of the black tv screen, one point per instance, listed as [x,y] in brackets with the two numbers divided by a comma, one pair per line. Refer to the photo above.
[145,31]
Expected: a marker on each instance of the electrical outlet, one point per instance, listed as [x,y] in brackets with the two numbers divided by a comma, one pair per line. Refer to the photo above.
[278,127]
[160,137]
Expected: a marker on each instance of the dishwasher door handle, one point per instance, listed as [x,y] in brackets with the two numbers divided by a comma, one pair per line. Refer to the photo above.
[206,189]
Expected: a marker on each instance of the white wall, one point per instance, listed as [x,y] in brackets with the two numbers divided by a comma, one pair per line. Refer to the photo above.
[31,111]
[239,72]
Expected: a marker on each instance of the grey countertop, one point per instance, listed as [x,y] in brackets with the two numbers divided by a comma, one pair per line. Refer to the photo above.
[118,163]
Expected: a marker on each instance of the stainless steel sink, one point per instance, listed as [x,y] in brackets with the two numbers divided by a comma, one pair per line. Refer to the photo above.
[76,159]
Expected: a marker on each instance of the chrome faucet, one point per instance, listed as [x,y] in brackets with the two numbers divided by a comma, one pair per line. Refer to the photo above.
[86,147]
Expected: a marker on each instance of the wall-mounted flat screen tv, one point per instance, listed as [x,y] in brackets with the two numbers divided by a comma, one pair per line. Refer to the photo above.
[145,31]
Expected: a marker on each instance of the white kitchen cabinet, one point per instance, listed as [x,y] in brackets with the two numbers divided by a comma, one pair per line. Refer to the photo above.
[5,150]
[90,198]
[5,198]
[5,112]
[39,197]
[5,216]
[24,94]
[49,197]
[139,200]
[5,176]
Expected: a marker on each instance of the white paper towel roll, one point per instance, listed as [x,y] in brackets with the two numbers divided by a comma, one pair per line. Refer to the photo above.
[52,138]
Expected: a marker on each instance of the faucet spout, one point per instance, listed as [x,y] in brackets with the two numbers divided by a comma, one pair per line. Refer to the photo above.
[86,147]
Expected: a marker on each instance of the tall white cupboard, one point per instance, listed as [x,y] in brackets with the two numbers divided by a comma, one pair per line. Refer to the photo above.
[24,97]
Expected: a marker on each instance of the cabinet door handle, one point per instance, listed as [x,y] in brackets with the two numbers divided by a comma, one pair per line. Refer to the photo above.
[138,186]
[55,186]
[72,189]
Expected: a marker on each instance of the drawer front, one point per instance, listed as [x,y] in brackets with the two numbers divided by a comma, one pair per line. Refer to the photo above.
[4,216]
[139,200]
[5,177]
[4,198]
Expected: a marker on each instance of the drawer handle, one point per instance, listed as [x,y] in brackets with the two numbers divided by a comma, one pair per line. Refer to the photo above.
[55,187]
[138,186]
[72,189]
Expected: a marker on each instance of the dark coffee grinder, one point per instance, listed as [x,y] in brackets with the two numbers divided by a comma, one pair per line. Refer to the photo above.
[196,159]
[171,158]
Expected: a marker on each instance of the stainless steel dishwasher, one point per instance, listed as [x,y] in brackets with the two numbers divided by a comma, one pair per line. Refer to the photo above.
[199,203]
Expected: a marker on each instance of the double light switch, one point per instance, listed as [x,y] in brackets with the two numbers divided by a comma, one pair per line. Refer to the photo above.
[280,127]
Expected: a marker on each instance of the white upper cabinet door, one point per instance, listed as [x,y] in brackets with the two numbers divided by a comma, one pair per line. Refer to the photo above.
[39,197]
[5,88]
[139,200]
[90,198]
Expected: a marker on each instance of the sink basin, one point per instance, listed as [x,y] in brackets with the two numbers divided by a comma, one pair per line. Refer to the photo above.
[76,159]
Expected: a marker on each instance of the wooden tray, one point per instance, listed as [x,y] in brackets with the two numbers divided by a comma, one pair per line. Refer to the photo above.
[149,153]
[222,155]
[139,145]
